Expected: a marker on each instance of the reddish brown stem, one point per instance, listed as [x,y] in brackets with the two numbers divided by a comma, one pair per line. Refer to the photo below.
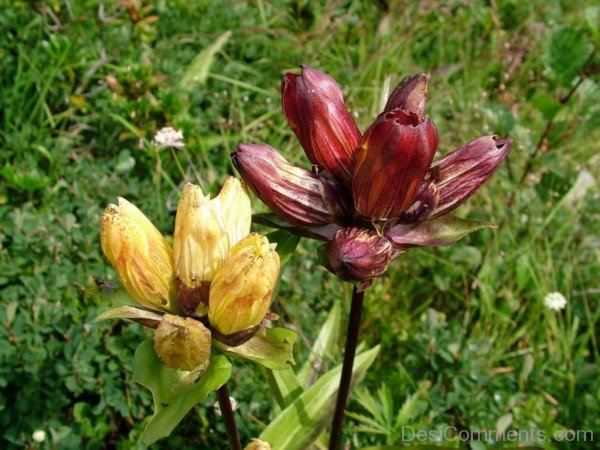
[346,378]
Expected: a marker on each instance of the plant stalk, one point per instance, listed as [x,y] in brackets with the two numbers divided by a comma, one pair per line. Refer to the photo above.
[349,353]
[229,418]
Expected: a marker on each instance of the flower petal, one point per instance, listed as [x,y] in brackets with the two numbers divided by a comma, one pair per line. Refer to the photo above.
[197,248]
[394,156]
[409,95]
[459,174]
[314,107]
[241,291]
[140,254]
[294,194]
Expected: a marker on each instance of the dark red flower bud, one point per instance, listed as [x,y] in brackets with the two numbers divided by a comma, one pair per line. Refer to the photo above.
[394,156]
[459,174]
[314,107]
[359,254]
[409,95]
[297,195]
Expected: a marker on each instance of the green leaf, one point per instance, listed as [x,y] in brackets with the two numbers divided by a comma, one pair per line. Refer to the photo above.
[273,349]
[175,392]
[284,386]
[567,53]
[124,307]
[127,312]
[198,70]
[325,347]
[300,423]
[286,244]
[432,233]
[547,105]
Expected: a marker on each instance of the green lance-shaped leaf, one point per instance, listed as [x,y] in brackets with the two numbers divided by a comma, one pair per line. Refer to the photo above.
[125,307]
[284,386]
[273,349]
[302,421]
[175,392]
[325,347]
[128,312]
[198,70]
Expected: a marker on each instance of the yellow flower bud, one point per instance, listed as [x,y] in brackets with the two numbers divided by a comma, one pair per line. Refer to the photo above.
[257,444]
[205,231]
[182,342]
[140,254]
[241,291]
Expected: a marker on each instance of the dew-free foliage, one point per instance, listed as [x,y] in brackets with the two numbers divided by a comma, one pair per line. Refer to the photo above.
[84,88]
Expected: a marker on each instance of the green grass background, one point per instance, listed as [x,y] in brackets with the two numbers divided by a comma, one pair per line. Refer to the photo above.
[85,84]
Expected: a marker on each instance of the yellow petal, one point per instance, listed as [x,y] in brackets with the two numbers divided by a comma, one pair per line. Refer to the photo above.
[182,343]
[234,211]
[140,254]
[205,230]
[240,294]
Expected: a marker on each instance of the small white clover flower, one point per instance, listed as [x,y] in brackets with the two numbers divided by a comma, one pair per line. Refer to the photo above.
[234,406]
[39,435]
[555,301]
[168,137]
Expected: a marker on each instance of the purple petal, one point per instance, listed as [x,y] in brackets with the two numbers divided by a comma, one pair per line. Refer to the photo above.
[459,174]
[410,95]
[293,193]
[314,107]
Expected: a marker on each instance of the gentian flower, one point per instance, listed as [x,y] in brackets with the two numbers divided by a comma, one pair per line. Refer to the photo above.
[215,283]
[370,196]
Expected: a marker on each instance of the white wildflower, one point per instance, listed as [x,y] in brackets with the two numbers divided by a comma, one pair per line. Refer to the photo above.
[555,301]
[39,435]
[168,137]
[234,406]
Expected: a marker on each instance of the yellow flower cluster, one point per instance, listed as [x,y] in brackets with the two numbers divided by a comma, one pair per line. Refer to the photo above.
[215,267]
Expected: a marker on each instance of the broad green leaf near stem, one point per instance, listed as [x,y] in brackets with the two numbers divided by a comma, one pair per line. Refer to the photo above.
[325,347]
[273,349]
[303,420]
[175,392]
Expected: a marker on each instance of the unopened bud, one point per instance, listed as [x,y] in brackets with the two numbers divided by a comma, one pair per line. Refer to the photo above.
[140,254]
[359,254]
[182,343]
[395,154]
[410,95]
[205,231]
[241,291]
[314,107]
[257,444]
[299,196]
